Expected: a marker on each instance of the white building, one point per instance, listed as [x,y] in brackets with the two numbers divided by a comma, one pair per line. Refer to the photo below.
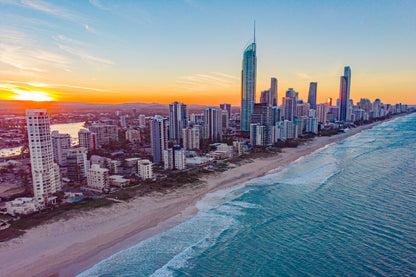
[61,144]
[191,138]
[285,130]
[174,158]
[45,173]
[142,121]
[145,169]
[321,111]
[118,181]
[312,125]
[23,205]
[133,135]
[97,178]
[239,147]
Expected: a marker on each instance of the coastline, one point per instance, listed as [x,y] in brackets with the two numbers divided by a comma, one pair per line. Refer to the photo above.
[68,247]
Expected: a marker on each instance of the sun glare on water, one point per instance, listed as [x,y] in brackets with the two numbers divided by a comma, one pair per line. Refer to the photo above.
[32,95]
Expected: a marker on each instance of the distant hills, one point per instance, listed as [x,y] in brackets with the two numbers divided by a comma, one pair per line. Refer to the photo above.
[19,107]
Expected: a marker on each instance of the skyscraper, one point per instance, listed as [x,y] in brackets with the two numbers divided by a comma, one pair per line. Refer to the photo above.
[226,107]
[312,95]
[213,123]
[344,94]
[61,144]
[248,84]
[177,120]
[273,93]
[45,173]
[159,137]
[290,104]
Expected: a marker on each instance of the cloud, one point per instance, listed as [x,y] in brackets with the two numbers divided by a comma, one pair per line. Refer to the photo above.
[84,55]
[98,4]
[11,85]
[203,82]
[304,75]
[90,29]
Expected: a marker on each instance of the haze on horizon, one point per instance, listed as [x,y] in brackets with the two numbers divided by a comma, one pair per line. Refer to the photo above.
[101,51]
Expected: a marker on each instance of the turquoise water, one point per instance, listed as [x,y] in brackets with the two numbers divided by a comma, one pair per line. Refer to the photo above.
[75,199]
[346,210]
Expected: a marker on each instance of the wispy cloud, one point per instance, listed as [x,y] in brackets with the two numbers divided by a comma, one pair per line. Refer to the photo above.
[84,55]
[90,29]
[98,4]
[43,85]
[202,82]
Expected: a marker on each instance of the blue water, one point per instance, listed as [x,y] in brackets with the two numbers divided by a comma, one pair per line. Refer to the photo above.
[75,199]
[346,210]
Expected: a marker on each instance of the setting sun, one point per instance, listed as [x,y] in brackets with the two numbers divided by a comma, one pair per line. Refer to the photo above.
[31,95]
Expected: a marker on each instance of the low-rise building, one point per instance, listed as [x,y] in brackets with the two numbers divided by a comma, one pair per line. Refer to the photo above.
[145,169]
[23,205]
[118,181]
[97,178]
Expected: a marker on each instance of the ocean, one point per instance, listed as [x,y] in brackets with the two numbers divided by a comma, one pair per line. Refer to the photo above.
[348,209]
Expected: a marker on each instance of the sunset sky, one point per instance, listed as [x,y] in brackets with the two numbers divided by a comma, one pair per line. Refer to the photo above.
[103,51]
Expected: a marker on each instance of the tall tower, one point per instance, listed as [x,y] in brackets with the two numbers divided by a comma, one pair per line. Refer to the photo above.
[213,123]
[344,94]
[159,137]
[312,95]
[45,173]
[177,120]
[248,84]
[273,92]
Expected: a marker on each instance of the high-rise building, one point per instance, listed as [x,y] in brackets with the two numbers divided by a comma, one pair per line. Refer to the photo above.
[265,97]
[142,121]
[213,124]
[321,111]
[344,95]
[273,92]
[61,144]
[97,178]
[87,139]
[224,120]
[77,164]
[133,135]
[159,137]
[290,104]
[123,122]
[105,133]
[312,95]
[248,85]
[174,158]
[45,173]
[191,137]
[178,116]
[145,169]
[226,107]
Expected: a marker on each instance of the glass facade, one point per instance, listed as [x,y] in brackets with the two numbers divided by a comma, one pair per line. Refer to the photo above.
[248,85]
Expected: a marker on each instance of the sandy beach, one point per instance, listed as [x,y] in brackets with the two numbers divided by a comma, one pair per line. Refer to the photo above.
[68,247]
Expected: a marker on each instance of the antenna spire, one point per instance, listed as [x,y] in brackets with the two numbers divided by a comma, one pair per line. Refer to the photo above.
[254,31]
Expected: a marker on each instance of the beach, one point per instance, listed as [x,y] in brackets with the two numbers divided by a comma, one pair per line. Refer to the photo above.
[68,247]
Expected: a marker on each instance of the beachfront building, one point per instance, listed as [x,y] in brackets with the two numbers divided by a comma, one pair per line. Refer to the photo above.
[239,147]
[248,85]
[77,165]
[45,173]
[191,137]
[290,105]
[118,181]
[178,115]
[97,178]
[158,137]
[213,124]
[23,205]
[321,111]
[144,169]
[61,143]
[285,130]
[174,158]
[87,139]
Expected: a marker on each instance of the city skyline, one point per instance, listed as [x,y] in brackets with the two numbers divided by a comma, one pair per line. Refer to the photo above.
[141,52]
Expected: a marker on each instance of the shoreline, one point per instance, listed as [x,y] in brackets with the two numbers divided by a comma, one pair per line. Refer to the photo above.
[69,247]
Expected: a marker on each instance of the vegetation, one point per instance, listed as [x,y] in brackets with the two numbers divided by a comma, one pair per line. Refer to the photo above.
[26,222]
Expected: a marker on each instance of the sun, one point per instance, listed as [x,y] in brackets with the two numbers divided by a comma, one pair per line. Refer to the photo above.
[32,95]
